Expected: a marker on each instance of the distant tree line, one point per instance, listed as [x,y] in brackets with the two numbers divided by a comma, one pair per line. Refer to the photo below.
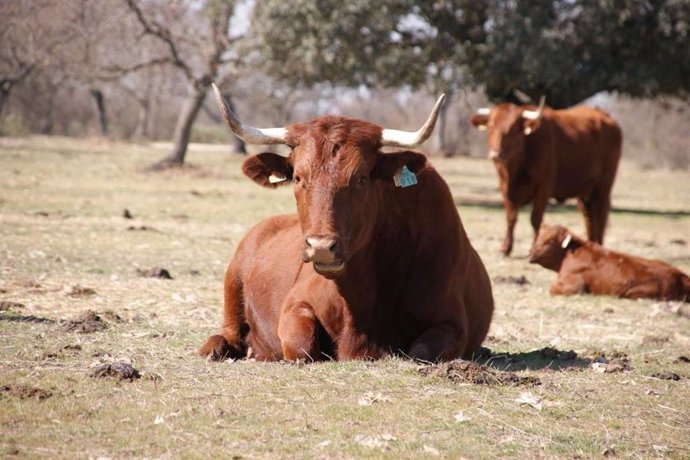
[149,63]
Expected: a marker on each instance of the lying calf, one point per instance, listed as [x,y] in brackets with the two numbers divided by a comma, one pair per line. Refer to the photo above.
[586,267]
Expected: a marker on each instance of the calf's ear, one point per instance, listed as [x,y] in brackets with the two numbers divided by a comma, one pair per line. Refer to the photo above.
[480,121]
[387,164]
[268,169]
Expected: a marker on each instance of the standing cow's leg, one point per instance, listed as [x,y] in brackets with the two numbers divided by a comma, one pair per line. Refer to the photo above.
[230,343]
[297,330]
[511,219]
[600,206]
[541,199]
[584,204]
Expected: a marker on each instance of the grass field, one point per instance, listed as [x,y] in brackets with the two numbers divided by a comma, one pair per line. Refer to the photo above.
[66,249]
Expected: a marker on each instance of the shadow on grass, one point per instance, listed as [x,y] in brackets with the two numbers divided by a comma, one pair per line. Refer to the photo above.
[544,358]
[17,318]
[567,207]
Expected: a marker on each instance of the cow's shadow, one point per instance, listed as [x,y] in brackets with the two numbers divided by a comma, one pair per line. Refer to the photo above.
[544,358]
[17,318]
[570,206]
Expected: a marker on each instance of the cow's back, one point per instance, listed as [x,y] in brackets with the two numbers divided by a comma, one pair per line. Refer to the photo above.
[587,145]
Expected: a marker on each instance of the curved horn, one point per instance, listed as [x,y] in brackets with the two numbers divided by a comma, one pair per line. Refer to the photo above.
[248,133]
[411,139]
[485,111]
[535,114]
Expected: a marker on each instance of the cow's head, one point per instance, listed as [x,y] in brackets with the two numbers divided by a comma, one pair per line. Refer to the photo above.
[337,170]
[550,246]
[507,125]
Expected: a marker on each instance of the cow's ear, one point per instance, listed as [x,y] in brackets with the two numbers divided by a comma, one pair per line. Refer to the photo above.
[388,164]
[268,169]
[480,121]
[530,126]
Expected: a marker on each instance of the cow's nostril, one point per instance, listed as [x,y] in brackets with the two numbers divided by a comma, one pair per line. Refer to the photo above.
[332,246]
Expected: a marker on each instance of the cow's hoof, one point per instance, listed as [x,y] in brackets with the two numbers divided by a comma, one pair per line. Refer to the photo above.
[506,250]
[218,349]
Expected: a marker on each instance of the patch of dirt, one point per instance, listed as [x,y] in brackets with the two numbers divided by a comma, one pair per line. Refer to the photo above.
[75,290]
[127,214]
[614,362]
[85,323]
[71,349]
[678,241]
[478,374]
[120,370]
[24,392]
[155,272]
[560,355]
[683,359]
[655,339]
[141,228]
[666,376]
[519,280]
[6,305]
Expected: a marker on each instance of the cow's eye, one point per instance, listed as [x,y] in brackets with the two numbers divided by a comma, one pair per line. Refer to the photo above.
[362,180]
[297,179]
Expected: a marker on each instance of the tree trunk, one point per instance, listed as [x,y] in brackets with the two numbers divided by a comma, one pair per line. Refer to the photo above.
[97,95]
[439,137]
[141,131]
[5,86]
[183,129]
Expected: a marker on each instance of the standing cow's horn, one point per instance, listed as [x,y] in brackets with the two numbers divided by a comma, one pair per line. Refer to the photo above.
[535,114]
[248,133]
[411,139]
[484,111]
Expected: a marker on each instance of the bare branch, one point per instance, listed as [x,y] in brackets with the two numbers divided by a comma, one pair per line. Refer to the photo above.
[116,71]
[162,33]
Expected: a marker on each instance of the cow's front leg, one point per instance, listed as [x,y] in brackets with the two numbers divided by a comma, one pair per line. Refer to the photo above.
[297,330]
[440,342]
[511,219]
[569,284]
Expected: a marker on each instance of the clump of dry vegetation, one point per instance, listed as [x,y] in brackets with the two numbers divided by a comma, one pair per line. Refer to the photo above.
[613,374]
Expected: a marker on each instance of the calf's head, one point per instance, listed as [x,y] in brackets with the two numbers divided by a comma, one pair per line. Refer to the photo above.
[507,125]
[550,246]
[337,171]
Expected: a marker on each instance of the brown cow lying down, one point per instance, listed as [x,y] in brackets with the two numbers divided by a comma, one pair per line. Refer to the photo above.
[586,267]
[375,262]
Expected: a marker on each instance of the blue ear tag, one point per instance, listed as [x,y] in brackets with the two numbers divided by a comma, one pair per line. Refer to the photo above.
[404,178]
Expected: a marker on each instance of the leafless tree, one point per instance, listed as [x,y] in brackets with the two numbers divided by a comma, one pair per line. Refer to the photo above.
[202,53]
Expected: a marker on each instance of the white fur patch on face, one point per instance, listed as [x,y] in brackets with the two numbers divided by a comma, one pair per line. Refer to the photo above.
[566,241]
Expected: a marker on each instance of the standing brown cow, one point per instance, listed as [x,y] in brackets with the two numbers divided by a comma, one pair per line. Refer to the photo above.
[546,153]
[375,262]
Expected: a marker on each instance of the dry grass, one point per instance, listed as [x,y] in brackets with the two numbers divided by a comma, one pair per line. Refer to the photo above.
[61,225]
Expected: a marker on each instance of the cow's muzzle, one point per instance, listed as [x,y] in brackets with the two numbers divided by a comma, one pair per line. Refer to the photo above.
[324,253]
